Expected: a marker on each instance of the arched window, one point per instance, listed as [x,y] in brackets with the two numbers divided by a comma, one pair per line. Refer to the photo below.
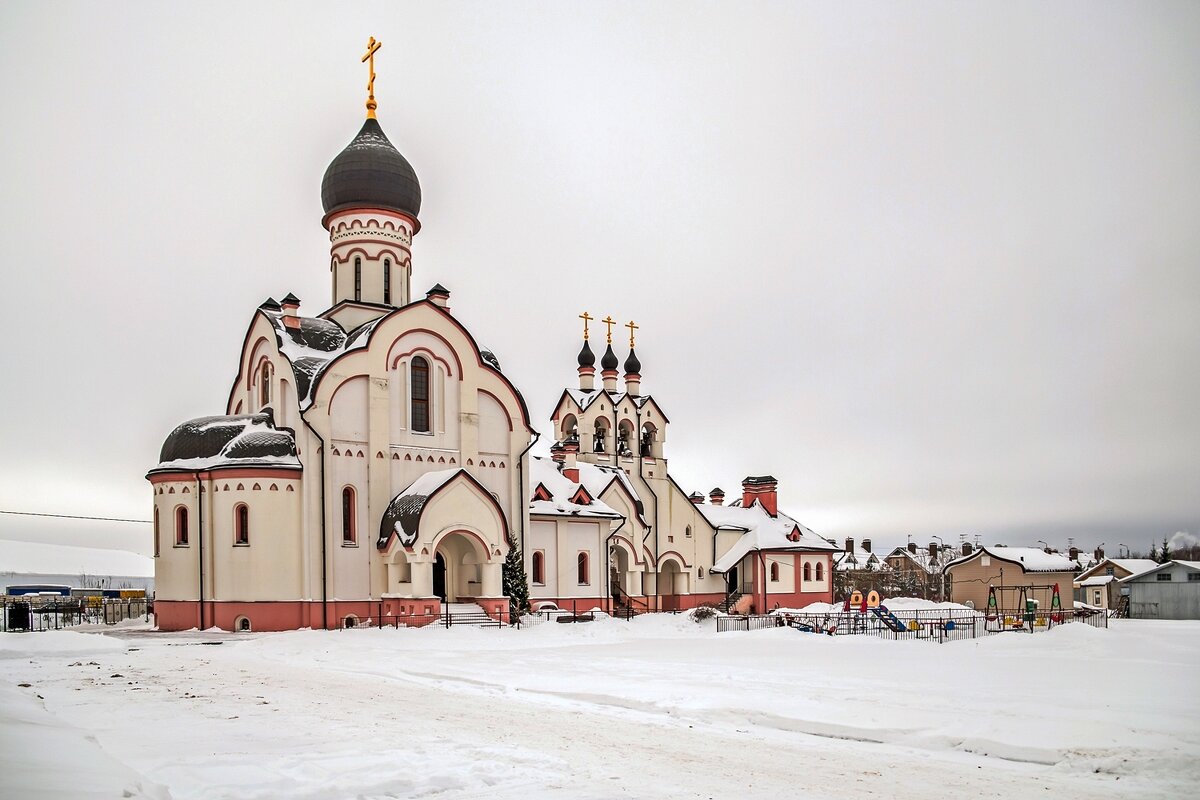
[181,526]
[349,533]
[539,567]
[687,533]
[419,380]
[387,281]
[585,574]
[807,571]
[156,540]
[241,524]
[264,385]
[570,427]
[600,436]
[625,438]
[242,624]
[357,278]
[775,571]
[820,571]
[649,434]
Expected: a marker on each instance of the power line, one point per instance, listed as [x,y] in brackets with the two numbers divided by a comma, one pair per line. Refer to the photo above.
[73,516]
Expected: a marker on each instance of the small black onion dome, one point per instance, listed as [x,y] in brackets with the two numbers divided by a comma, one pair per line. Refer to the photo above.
[371,172]
[632,365]
[609,359]
[586,357]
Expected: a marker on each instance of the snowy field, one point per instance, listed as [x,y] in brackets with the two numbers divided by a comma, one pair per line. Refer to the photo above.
[654,708]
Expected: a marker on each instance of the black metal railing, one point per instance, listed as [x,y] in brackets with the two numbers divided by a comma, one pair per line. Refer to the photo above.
[39,613]
[935,625]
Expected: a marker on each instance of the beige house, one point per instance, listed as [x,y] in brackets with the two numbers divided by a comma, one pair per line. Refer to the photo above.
[1010,569]
[1098,585]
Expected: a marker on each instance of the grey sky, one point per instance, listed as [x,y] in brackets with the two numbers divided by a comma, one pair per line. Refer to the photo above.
[935,266]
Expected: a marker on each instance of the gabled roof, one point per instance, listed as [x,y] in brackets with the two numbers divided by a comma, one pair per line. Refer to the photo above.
[922,559]
[1131,565]
[403,514]
[1031,559]
[1194,566]
[557,495]
[761,531]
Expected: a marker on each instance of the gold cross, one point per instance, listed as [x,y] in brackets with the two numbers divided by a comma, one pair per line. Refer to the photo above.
[586,317]
[609,321]
[372,46]
[632,327]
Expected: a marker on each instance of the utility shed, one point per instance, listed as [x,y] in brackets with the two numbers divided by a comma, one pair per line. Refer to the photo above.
[1169,591]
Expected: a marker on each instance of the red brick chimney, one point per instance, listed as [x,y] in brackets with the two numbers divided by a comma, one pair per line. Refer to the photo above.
[290,306]
[912,547]
[696,498]
[716,497]
[866,545]
[570,465]
[763,489]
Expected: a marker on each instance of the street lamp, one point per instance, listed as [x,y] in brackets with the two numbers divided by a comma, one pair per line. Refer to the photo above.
[1122,544]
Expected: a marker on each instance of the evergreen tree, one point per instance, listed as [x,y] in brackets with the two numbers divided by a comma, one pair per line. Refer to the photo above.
[1154,554]
[515,583]
[1164,554]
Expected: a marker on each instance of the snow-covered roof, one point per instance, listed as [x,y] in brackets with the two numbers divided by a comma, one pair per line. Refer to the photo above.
[922,559]
[855,558]
[311,344]
[1099,580]
[761,531]
[1030,558]
[1192,565]
[244,440]
[544,472]
[403,514]
[1130,565]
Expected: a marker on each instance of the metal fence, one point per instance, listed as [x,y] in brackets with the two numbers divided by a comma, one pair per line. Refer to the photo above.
[934,625]
[446,619]
[34,613]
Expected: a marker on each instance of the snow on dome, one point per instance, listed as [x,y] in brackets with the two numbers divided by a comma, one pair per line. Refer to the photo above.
[241,440]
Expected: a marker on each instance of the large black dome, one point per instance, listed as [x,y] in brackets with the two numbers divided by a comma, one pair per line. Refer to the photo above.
[370,172]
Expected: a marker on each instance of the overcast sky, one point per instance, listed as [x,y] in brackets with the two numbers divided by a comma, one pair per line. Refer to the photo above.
[935,266]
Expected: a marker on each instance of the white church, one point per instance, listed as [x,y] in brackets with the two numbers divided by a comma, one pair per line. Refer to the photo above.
[373,461]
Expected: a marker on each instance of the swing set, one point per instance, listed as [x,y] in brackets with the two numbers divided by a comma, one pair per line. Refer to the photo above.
[1022,613]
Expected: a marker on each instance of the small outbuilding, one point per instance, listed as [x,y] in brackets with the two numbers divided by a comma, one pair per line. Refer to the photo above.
[1168,591]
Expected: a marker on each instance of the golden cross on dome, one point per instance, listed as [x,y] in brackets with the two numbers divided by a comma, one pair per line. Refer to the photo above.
[372,46]
[609,321]
[586,317]
[632,327]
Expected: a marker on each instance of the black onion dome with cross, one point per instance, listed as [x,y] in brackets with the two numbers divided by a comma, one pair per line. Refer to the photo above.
[371,172]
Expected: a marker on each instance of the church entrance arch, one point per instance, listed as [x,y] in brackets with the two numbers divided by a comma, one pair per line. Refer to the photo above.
[457,568]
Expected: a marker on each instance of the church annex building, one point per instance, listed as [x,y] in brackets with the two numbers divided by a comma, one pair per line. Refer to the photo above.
[374,460]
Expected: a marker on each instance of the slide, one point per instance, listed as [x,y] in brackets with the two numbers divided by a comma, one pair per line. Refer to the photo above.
[889,619]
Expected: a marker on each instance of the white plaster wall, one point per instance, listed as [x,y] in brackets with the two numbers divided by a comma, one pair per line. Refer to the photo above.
[815,585]
[787,573]
[270,567]
[543,536]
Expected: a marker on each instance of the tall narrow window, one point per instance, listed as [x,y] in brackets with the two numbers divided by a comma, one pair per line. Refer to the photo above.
[807,571]
[357,278]
[387,281]
[156,533]
[539,567]
[241,524]
[264,385]
[349,536]
[420,394]
[774,571]
[584,572]
[820,571]
[181,527]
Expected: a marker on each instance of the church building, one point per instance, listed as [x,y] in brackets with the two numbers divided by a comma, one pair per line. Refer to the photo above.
[373,460]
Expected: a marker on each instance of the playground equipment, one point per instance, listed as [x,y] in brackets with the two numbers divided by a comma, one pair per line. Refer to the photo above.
[889,620]
[1022,613]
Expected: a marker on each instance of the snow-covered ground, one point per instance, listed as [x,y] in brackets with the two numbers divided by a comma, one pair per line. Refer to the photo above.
[654,708]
